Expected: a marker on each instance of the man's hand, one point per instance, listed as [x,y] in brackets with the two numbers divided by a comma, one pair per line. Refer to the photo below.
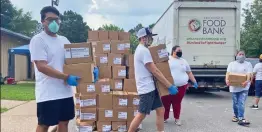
[173,90]
[72,80]
[227,82]
[96,74]
[244,84]
[195,85]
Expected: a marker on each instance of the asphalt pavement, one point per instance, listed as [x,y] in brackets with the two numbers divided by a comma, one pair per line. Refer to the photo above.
[206,112]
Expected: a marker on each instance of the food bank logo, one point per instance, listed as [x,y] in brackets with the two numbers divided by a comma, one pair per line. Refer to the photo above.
[194,25]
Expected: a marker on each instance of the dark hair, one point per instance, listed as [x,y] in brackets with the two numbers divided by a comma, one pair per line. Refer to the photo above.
[48,9]
[174,49]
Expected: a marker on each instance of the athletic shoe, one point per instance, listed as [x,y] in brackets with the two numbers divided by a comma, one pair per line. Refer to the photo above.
[243,122]
[235,119]
[178,122]
[254,107]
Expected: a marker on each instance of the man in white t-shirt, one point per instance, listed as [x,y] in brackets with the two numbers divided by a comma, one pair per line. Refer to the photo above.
[258,85]
[54,98]
[239,94]
[145,69]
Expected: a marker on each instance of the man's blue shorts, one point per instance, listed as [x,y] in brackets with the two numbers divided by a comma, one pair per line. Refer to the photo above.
[258,86]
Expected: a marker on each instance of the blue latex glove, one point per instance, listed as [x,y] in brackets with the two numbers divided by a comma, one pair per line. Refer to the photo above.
[195,85]
[173,90]
[72,80]
[96,74]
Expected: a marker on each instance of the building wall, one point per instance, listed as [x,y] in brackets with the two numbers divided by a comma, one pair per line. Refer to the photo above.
[8,42]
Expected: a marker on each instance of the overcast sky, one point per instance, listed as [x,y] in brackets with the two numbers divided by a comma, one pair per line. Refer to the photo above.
[123,13]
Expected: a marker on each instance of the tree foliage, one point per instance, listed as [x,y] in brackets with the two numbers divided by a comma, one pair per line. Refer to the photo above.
[111,27]
[73,27]
[251,35]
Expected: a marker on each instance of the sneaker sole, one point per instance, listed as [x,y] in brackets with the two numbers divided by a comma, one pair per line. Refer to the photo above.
[254,108]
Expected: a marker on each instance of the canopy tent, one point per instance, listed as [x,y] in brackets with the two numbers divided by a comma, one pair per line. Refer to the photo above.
[21,50]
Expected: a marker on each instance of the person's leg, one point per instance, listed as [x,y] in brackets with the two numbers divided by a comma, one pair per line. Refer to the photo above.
[136,122]
[67,113]
[241,104]
[167,103]
[160,111]
[47,114]
[258,86]
[177,100]
[235,106]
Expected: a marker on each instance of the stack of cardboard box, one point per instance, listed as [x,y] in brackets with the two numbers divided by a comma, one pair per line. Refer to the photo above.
[111,103]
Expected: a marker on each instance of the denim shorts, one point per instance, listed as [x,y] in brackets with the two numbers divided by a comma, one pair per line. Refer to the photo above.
[258,86]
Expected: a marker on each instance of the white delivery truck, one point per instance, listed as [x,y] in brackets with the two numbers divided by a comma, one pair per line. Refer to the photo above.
[208,32]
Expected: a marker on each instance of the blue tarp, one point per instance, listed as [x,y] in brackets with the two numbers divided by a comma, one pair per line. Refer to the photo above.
[21,50]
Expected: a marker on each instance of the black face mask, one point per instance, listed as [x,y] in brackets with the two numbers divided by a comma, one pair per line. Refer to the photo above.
[179,54]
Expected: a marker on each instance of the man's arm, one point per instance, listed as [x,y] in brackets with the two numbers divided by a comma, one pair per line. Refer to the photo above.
[191,77]
[158,74]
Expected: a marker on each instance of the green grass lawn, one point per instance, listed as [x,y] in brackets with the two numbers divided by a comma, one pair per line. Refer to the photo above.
[22,92]
[3,110]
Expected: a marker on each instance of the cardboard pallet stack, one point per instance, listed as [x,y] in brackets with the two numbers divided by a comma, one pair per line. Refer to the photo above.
[110,104]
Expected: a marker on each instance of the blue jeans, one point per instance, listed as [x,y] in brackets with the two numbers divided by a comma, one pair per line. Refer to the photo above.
[239,99]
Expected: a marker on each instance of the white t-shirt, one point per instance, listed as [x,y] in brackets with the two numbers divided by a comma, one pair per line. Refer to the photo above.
[258,71]
[179,68]
[242,68]
[51,49]
[144,78]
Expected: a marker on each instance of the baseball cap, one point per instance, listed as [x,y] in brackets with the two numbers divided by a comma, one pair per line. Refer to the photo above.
[260,57]
[144,32]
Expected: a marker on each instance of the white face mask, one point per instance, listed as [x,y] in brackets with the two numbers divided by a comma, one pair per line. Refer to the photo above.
[240,58]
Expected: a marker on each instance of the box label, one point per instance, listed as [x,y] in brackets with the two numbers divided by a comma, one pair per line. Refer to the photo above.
[117,61]
[87,116]
[91,88]
[88,102]
[122,128]
[121,73]
[121,47]
[122,102]
[136,101]
[106,128]
[127,45]
[108,113]
[122,115]
[80,52]
[103,60]
[135,112]
[105,88]
[67,53]
[85,128]
[77,112]
[118,85]
[106,47]
[77,100]
[162,53]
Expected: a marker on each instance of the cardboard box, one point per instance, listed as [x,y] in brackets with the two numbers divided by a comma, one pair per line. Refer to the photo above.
[159,53]
[130,73]
[86,75]
[164,68]
[105,114]
[103,126]
[119,126]
[85,126]
[237,79]
[119,72]
[77,96]
[105,101]
[133,99]
[117,85]
[113,35]
[105,72]
[103,47]
[130,85]
[88,114]
[103,35]
[77,110]
[129,60]
[162,89]
[120,47]
[120,114]
[103,86]
[87,88]
[93,36]
[115,59]
[78,53]
[131,113]
[124,35]
[101,59]
[88,101]
[120,99]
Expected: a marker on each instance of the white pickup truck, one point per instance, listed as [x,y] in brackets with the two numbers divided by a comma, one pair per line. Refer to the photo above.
[208,32]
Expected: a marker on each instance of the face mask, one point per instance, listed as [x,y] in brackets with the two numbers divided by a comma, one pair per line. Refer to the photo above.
[53,27]
[179,54]
[240,58]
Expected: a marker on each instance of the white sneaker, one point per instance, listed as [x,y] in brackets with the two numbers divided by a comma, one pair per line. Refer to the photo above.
[165,121]
[178,122]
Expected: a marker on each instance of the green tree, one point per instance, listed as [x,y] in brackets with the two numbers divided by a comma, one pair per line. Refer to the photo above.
[111,27]
[251,35]
[73,27]
[152,25]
